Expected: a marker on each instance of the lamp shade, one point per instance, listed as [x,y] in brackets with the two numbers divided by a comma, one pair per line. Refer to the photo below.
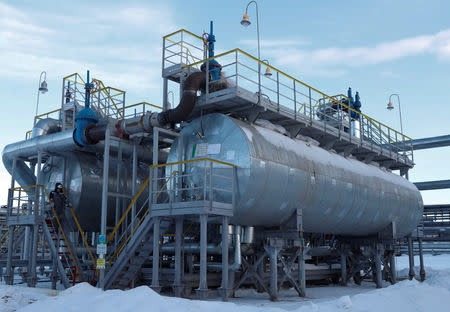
[43,87]
[245,20]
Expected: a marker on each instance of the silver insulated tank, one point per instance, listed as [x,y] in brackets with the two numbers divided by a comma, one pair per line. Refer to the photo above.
[84,176]
[277,174]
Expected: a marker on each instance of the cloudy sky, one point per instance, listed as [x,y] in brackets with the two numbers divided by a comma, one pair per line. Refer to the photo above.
[376,47]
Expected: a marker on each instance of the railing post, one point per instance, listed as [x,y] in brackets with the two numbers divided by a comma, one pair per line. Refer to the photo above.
[204,180]
[295,101]
[236,65]
[310,107]
[278,91]
[133,184]
[233,187]
[211,193]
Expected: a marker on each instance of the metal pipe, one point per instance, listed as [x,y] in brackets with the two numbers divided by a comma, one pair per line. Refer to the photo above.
[422,268]
[46,126]
[104,199]
[203,285]
[411,257]
[237,250]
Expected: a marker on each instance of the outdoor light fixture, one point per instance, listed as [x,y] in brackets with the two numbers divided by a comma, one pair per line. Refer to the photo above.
[267,73]
[42,88]
[390,107]
[245,20]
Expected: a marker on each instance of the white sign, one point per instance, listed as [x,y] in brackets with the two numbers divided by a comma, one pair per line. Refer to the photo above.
[205,149]
[101,249]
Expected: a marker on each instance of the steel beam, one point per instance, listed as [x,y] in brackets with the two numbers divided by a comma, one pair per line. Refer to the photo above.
[433,185]
[432,142]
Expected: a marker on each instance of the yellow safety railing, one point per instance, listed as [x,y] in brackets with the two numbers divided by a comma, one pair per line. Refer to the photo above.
[184,31]
[331,99]
[105,90]
[123,244]
[56,217]
[80,230]
[47,114]
[185,47]
[186,41]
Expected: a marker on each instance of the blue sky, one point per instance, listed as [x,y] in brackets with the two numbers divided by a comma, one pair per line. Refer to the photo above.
[376,47]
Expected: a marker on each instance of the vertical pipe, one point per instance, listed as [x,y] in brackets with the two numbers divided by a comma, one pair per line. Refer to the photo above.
[133,184]
[224,286]
[165,97]
[155,264]
[117,212]
[28,229]
[104,197]
[9,276]
[203,286]
[411,257]
[422,267]
[37,212]
[178,238]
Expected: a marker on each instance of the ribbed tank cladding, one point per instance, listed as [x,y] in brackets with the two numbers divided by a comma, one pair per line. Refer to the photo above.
[84,173]
[277,174]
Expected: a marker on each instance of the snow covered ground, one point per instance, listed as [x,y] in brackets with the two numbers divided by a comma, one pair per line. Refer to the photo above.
[432,295]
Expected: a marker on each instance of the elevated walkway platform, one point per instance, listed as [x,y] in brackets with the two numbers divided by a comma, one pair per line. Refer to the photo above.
[243,91]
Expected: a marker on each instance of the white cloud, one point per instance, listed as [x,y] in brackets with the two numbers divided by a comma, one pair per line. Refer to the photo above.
[274,43]
[120,44]
[324,60]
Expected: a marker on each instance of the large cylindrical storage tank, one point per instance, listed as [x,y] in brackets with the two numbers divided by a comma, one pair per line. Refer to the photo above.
[84,176]
[277,174]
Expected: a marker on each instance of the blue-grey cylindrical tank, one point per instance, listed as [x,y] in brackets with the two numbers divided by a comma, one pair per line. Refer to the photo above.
[277,174]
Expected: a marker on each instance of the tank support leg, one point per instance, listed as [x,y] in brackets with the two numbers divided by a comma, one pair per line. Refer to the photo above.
[343,266]
[301,260]
[155,264]
[378,277]
[273,256]
[422,268]
[202,289]
[224,287]
[411,257]
[177,287]
[393,267]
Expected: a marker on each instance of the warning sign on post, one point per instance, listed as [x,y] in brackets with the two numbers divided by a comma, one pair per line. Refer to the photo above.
[100,263]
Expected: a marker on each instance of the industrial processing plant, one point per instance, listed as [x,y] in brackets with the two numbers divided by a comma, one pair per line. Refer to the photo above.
[253,180]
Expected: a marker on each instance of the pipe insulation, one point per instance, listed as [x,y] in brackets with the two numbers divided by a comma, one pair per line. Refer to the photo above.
[193,83]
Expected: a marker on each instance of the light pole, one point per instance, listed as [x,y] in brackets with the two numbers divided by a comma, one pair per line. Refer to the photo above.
[42,87]
[390,106]
[246,22]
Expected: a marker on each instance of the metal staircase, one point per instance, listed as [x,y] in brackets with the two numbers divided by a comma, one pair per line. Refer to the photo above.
[134,254]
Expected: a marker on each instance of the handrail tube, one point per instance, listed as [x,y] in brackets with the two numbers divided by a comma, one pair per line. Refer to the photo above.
[296,80]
